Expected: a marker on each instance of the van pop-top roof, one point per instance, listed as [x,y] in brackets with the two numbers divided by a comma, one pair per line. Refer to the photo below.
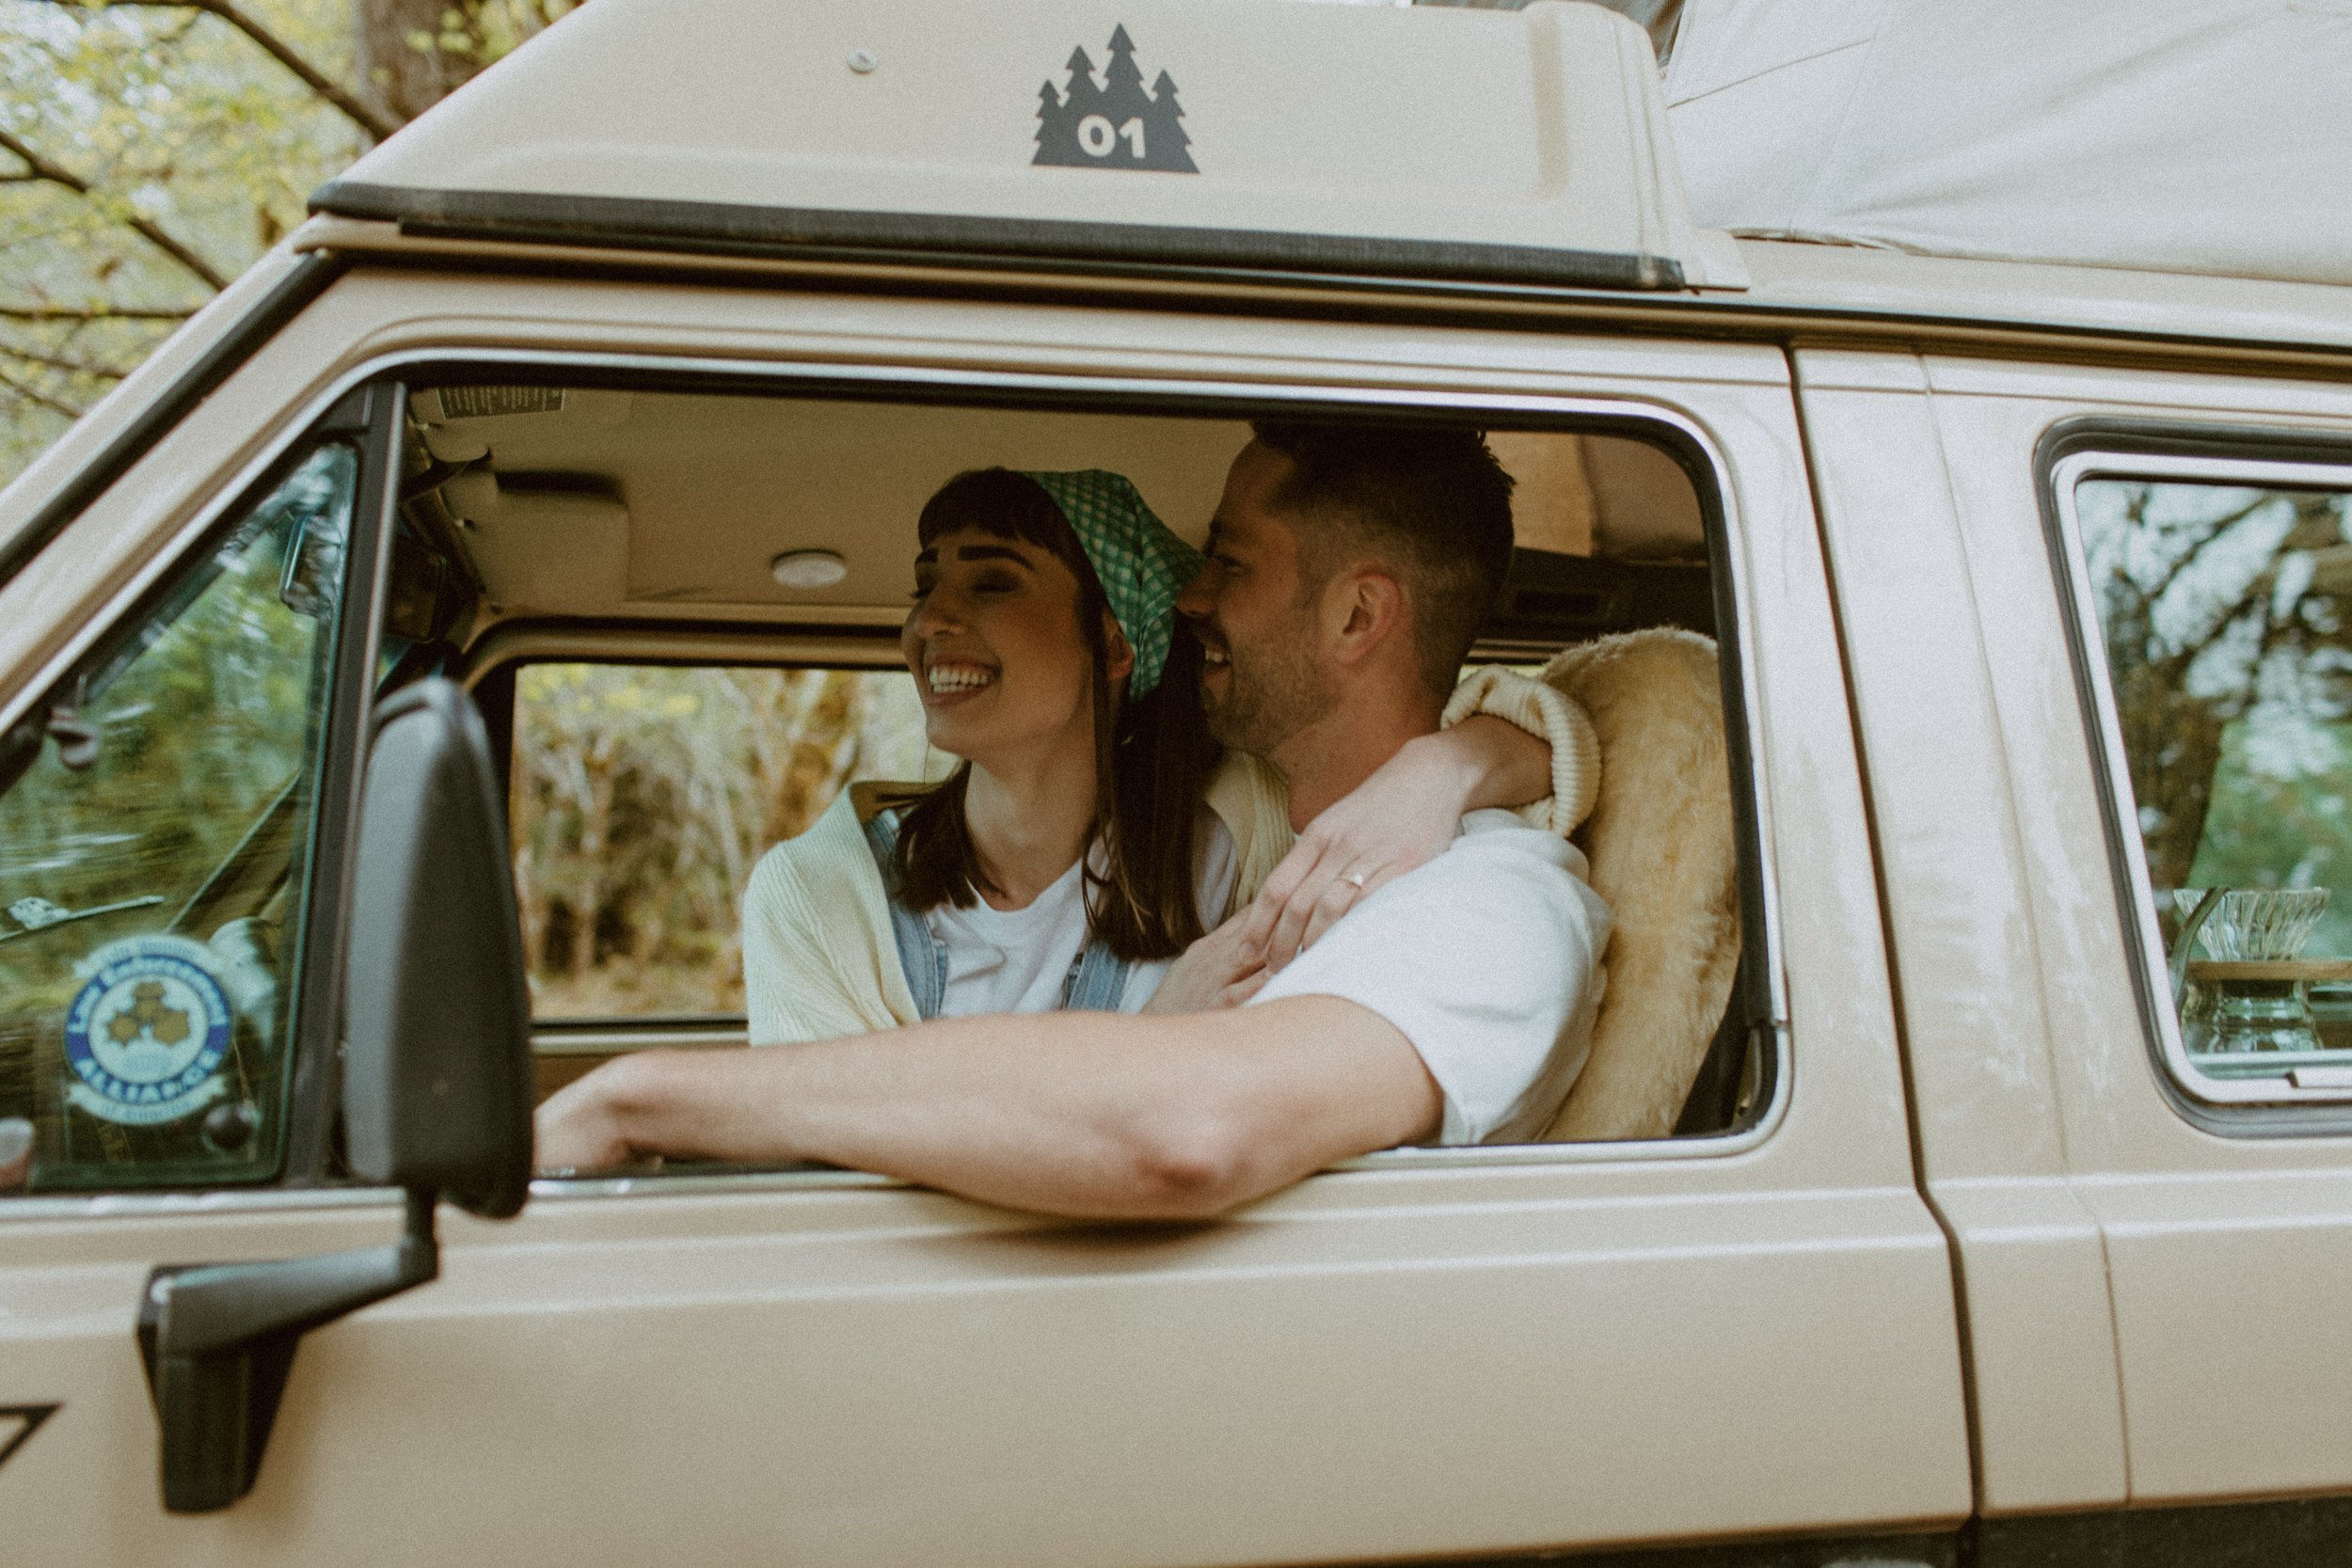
[1523,147]
[2175,135]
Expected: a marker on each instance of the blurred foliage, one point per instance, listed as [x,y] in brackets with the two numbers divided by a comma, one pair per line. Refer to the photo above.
[150,151]
[2279,818]
[644,794]
[2231,650]
[204,722]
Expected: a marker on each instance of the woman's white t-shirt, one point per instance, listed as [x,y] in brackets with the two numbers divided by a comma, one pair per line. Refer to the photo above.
[1018,960]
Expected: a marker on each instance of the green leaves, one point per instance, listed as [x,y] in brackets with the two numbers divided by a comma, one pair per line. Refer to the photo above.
[151,148]
[172,124]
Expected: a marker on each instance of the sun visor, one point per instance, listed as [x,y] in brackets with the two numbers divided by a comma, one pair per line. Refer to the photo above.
[1524,147]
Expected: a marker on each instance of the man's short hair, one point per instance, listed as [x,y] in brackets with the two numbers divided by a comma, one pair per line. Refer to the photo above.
[1428,502]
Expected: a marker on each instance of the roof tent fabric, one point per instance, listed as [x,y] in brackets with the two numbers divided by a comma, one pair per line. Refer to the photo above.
[2178,136]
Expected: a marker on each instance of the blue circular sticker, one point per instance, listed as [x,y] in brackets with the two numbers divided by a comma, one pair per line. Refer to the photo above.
[147,1033]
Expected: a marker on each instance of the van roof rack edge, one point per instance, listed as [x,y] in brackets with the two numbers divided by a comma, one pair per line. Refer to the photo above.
[740,229]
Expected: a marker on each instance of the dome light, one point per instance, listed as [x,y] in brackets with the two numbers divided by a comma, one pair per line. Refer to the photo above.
[809,568]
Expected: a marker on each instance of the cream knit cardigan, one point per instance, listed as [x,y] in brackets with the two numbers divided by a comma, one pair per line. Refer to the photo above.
[820,959]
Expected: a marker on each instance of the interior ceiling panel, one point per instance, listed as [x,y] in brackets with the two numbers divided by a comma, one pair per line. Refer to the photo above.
[715,487]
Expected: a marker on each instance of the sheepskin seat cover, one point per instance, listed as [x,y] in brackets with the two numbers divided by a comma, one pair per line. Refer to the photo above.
[1660,840]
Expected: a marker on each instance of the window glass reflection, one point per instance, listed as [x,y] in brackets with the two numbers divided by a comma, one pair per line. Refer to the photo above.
[2228,644]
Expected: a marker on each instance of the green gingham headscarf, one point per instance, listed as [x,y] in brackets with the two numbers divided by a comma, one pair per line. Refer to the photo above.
[1141,565]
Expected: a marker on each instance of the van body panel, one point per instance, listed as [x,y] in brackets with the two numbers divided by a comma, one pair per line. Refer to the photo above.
[2040,1340]
[886,1376]
[2217,1245]
[834,1367]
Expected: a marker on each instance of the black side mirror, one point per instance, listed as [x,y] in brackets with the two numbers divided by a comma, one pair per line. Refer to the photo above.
[436,1095]
[437,1070]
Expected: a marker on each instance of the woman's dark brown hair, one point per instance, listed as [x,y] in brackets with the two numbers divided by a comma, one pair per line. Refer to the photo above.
[1151,756]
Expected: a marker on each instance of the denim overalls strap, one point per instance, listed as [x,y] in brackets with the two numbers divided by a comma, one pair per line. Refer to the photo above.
[1097,978]
[922,956]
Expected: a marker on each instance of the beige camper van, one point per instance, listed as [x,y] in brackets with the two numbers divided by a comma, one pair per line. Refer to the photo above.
[1964,1171]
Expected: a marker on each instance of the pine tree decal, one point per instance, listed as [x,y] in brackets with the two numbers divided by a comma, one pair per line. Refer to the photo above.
[1165,123]
[1084,97]
[1058,117]
[1115,124]
[1123,98]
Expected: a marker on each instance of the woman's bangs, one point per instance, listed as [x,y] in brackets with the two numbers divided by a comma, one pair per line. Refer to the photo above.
[1020,527]
[1001,504]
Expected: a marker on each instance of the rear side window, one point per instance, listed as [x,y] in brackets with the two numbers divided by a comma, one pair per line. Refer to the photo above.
[643,794]
[2224,609]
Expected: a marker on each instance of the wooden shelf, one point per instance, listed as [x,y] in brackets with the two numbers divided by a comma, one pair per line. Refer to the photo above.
[2316,970]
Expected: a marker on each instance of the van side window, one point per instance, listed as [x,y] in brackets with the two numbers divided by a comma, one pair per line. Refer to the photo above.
[643,795]
[688,637]
[2226,615]
[151,861]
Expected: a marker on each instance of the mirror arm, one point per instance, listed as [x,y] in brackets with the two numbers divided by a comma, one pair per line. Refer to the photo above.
[218,1341]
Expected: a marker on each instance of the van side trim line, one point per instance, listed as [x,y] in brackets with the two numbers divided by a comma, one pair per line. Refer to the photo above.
[1238,289]
[307,280]
[735,228]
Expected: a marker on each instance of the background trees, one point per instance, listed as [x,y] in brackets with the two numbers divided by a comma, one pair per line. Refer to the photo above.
[150,150]
[643,797]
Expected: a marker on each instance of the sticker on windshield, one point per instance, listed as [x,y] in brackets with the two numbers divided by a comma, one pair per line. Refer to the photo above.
[148,1031]
[1114,122]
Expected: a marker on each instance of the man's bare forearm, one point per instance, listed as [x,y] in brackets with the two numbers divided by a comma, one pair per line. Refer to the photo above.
[1079,1114]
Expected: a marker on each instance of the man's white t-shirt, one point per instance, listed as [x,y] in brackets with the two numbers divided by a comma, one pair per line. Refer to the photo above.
[1488,959]
[1018,960]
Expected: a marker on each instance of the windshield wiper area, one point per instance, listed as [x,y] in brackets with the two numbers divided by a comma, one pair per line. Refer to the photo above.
[39,914]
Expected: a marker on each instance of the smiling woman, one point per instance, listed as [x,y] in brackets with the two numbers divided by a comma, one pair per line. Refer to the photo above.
[1069,857]
[1067,708]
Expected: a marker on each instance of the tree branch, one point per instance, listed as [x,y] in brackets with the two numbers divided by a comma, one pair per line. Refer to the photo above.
[366,116]
[2196,552]
[54,405]
[58,362]
[150,231]
[91,314]
[375,121]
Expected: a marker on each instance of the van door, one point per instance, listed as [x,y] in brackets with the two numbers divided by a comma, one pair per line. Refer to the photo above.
[1992,1150]
[2147,611]
[1427,1352]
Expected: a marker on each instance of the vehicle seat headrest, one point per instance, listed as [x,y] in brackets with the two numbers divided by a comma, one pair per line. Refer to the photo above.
[1664,857]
